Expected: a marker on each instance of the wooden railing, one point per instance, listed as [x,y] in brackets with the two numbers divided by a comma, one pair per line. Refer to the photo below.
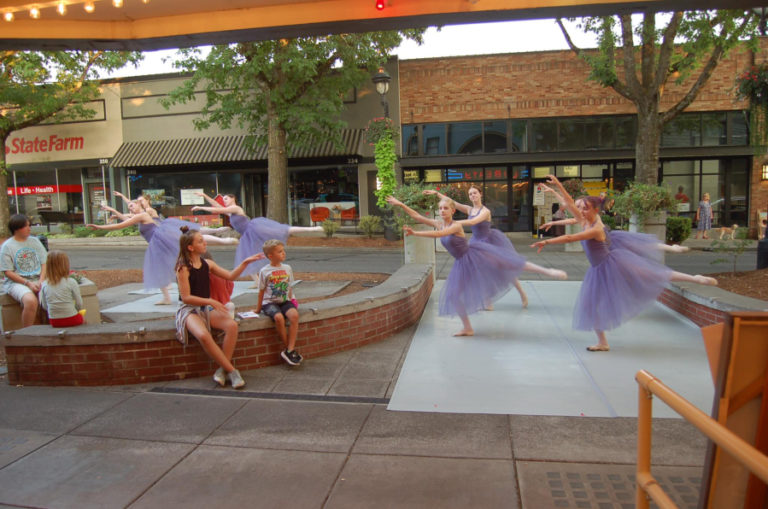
[647,487]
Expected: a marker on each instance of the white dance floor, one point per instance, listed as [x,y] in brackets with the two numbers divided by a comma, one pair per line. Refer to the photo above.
[531,362]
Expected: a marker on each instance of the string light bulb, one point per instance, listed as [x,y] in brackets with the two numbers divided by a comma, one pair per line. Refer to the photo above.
[61,8]
[8,16]
[34,13]
[117,3]
[145,1]
[89,7]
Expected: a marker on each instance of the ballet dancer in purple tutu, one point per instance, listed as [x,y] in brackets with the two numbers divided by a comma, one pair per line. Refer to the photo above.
[625,274]
[482,272]
[253,232]
[163,240]
[479,219]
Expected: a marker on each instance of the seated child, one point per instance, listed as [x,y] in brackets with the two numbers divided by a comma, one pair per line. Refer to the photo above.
[275,295]
[60,294]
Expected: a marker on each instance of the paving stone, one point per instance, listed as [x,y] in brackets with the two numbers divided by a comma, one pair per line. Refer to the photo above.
[87,472]
[15,444]
[214,477]
[382,481]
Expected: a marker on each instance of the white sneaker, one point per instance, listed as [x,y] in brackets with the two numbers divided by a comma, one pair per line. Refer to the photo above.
[220,377]
[236,380]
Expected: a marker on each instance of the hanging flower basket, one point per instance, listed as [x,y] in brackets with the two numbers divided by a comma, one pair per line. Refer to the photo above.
[752,85]
[379,128]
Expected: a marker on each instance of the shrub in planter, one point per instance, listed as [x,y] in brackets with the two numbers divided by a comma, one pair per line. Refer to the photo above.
[371,225]
[82,231]
[644,201]
[330,227]
[125,232]
[678,229]
[412,195]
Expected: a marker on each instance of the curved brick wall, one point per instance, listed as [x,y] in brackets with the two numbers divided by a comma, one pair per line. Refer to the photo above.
[115,354]
[705,305]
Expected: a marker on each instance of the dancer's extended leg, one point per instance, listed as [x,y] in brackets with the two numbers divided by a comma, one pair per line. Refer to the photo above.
[602,343]
[674,248]
[523,296]
[166,297]
[293,230]
[213,240]
[699,279]
[467,330]
[538,269]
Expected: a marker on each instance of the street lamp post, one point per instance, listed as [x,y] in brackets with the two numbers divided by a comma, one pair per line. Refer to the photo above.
[381,79]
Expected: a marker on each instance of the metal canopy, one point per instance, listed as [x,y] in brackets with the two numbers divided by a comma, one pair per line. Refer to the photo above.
[160,24]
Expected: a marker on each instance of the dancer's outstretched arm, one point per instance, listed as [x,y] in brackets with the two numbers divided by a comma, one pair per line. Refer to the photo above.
[218,209]
[142,218]
[595,232]
[233,274]
[563,197]
[412,213]
[484,215]
[121,195]
[114,212]
[210,200]
[546,226]
[466,209]
[453,229]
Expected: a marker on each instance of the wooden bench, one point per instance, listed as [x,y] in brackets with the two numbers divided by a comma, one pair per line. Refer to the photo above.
[50,217]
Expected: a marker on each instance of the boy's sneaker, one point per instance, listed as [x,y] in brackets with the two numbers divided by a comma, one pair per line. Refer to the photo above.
[297,356]
[220,377]
[236,380]
[290,357]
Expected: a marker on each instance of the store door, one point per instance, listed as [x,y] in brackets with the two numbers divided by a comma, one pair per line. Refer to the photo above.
[97,195]
[520,200]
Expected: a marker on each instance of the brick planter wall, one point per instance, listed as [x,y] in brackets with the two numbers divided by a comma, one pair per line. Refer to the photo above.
[116,354]
[706,305]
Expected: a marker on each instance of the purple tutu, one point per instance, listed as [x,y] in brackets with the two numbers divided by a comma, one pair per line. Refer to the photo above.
[621,282]
[482,232]
[481,274]
[163,251]
[253,234]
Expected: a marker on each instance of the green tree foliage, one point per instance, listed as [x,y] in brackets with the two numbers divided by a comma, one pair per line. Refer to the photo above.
[51,86]
[638,60]
[284,93]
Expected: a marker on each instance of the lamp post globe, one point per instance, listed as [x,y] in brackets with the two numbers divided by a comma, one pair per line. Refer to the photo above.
[381,80]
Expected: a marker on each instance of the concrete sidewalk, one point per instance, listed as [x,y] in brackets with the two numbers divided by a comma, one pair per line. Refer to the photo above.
[321,436]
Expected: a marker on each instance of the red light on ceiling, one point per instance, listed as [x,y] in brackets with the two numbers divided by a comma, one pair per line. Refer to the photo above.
[380,4]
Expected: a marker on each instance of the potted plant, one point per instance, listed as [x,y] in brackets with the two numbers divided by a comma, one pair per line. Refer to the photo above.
[752,85]
[646,206]
[381,133]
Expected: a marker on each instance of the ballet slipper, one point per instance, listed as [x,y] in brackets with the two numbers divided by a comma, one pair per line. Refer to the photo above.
[464,332]
[677,248]
[704,280]
[163,303]
[488,307]
[598,348]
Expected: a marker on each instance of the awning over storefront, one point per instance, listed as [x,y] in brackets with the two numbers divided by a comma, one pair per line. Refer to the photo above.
[221,149]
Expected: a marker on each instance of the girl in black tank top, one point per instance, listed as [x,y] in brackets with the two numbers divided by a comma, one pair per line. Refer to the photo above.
[198,312]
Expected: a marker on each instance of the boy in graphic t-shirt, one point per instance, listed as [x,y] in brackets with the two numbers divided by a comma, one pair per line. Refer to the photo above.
[275,298]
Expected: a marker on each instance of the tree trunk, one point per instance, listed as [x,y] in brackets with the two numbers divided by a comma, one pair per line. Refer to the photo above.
[277,161]
[4,207]
[647,145]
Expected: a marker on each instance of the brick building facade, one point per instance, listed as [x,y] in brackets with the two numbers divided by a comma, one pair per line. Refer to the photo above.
[531,92]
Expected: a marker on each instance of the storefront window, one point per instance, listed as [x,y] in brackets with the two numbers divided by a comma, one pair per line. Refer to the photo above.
[626,129]
[434,139]
[571,134]
[410,140]
[519,136]
[738,126]
[495,136]
[682,131]
[336,188]
[36,194]
[164,190]
[465,138]
[544,135]
[713,127]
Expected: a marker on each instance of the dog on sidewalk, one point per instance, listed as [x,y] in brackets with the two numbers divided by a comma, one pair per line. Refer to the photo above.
[726,232]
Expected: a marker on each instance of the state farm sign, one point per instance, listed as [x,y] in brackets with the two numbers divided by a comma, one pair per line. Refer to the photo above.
[52,143]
